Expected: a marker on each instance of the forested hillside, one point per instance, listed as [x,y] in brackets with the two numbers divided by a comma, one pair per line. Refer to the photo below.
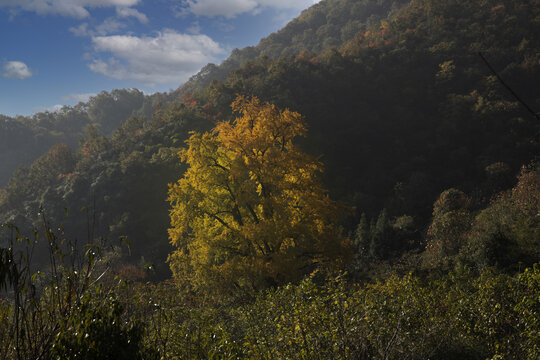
[24,139]
[400,112]
[326,25]
[419,117]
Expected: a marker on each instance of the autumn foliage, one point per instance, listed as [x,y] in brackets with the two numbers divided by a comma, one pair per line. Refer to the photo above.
[250,211]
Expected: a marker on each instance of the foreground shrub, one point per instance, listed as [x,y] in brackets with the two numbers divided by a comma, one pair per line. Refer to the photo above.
[493,316]
[69,310]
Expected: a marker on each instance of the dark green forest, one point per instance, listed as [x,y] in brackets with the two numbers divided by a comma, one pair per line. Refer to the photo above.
[363,183]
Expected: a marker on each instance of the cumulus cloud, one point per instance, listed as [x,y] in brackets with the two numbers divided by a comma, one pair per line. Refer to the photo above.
[195,28]
[130,12]
[169,57]
[70,8]
[232,8]
[77,98]
[223,26]
[16,70]
[51,109]
[227,8]
[107,27]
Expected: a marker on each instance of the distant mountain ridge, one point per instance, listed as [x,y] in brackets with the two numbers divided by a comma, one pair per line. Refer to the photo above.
[24,138]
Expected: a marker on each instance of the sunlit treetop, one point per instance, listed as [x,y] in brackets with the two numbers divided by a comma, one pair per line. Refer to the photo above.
[250,211]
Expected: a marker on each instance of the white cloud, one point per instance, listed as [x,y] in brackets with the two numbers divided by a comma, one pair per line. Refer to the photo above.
[227,8]
[195,28]
[167,58]
[51,109]
[223,26]
[108,26]
[16,70]
[77,98]
[81,30]
[70,8]
[231,8]
[287,4]
[129,12]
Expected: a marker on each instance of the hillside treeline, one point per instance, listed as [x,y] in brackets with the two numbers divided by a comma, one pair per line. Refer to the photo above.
[413,132]
[400,112]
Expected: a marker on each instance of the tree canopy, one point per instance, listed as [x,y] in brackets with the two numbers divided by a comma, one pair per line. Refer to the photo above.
[250,211]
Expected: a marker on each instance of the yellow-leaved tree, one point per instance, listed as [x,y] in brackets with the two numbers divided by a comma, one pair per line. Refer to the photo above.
[250,211]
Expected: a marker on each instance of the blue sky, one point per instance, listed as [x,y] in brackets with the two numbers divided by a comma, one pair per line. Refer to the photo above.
[59,52]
